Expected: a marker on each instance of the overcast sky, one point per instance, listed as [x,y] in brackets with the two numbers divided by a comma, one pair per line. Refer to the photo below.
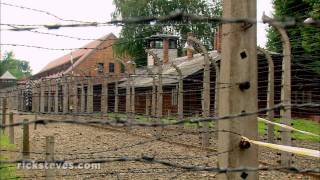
[93,10]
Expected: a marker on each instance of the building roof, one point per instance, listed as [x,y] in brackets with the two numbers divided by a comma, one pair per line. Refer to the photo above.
[169,73]
[7,75]
[77,54]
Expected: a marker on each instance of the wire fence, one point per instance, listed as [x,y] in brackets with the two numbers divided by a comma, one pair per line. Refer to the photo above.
[150,121]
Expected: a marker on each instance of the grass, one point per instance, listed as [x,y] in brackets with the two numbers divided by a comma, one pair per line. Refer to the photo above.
[6,170]
[301,124]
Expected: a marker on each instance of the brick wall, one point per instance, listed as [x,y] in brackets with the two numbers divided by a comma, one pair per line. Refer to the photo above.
[105,56]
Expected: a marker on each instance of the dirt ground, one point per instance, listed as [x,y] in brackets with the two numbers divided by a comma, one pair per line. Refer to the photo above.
[76,143]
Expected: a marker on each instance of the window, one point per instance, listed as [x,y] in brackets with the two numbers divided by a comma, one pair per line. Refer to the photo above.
[159,44]
[111,67]
[100,67]
[172,44]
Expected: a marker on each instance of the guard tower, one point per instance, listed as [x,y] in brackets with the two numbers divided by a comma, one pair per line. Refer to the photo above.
[165,46]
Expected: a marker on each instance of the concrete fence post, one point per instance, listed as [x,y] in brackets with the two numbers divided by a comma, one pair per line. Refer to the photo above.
[206,91]
[11,129]
[25,140]
[65,88]
[285,112]
[49,173]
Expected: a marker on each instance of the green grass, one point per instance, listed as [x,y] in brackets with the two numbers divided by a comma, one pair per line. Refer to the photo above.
[301,124]
[6,170]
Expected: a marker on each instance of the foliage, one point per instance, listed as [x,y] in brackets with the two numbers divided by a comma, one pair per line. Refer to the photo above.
[305,40]
[18,68]
[131,41]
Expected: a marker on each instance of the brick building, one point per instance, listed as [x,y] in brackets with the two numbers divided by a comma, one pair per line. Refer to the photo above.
[73,82]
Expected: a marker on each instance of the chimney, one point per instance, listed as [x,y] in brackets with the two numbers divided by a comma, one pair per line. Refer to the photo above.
[189,47]
[218,38]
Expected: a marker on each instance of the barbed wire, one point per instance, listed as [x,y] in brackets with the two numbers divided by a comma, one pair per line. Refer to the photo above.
[123,122]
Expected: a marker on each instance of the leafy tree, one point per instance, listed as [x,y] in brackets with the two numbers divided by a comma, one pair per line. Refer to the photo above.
[131,41]
[18,68]
[305,40]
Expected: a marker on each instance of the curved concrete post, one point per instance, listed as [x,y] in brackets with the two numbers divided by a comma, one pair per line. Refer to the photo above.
[270,95]
[206,91]
[285,89]
[180,91]
[159,85]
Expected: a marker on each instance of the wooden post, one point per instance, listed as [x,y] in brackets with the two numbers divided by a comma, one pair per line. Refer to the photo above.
[90,96]
[49,173]
[238,68]
[65,92]
[25,140]
[104,96]
[35,118]
[285,112]
[206,91]
[56,98]
[216,97]
[49,96]
[147,105]
[133,97]
[4,111]
[83,99]
[42,99]
[270,95]
[75,94]
[116,98]
[153,93]
[11,129]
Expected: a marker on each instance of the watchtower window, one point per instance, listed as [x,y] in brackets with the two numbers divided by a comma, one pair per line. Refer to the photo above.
[159,44]
[172,44]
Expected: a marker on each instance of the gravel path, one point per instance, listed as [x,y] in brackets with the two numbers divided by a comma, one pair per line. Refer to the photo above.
[82,143]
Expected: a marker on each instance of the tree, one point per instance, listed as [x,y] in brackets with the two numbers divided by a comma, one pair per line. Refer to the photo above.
[18,68]
[305,40]
[131,41]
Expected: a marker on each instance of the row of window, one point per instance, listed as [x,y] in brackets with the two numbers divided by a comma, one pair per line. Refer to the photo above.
[100,67]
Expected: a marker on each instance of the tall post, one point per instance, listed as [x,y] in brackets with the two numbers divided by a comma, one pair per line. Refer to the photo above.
[49,95]
[270,95]
[153,93]
[104,96]
[206,91]
[180,91]
[83,99]
[25,140]
[116,98]
[49,173]
[56,98]
[238,68]
[11,129]
[90,96]
[65,87]
[285,112]
[4,111]
[159,84]
[75,94]
[42,96]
